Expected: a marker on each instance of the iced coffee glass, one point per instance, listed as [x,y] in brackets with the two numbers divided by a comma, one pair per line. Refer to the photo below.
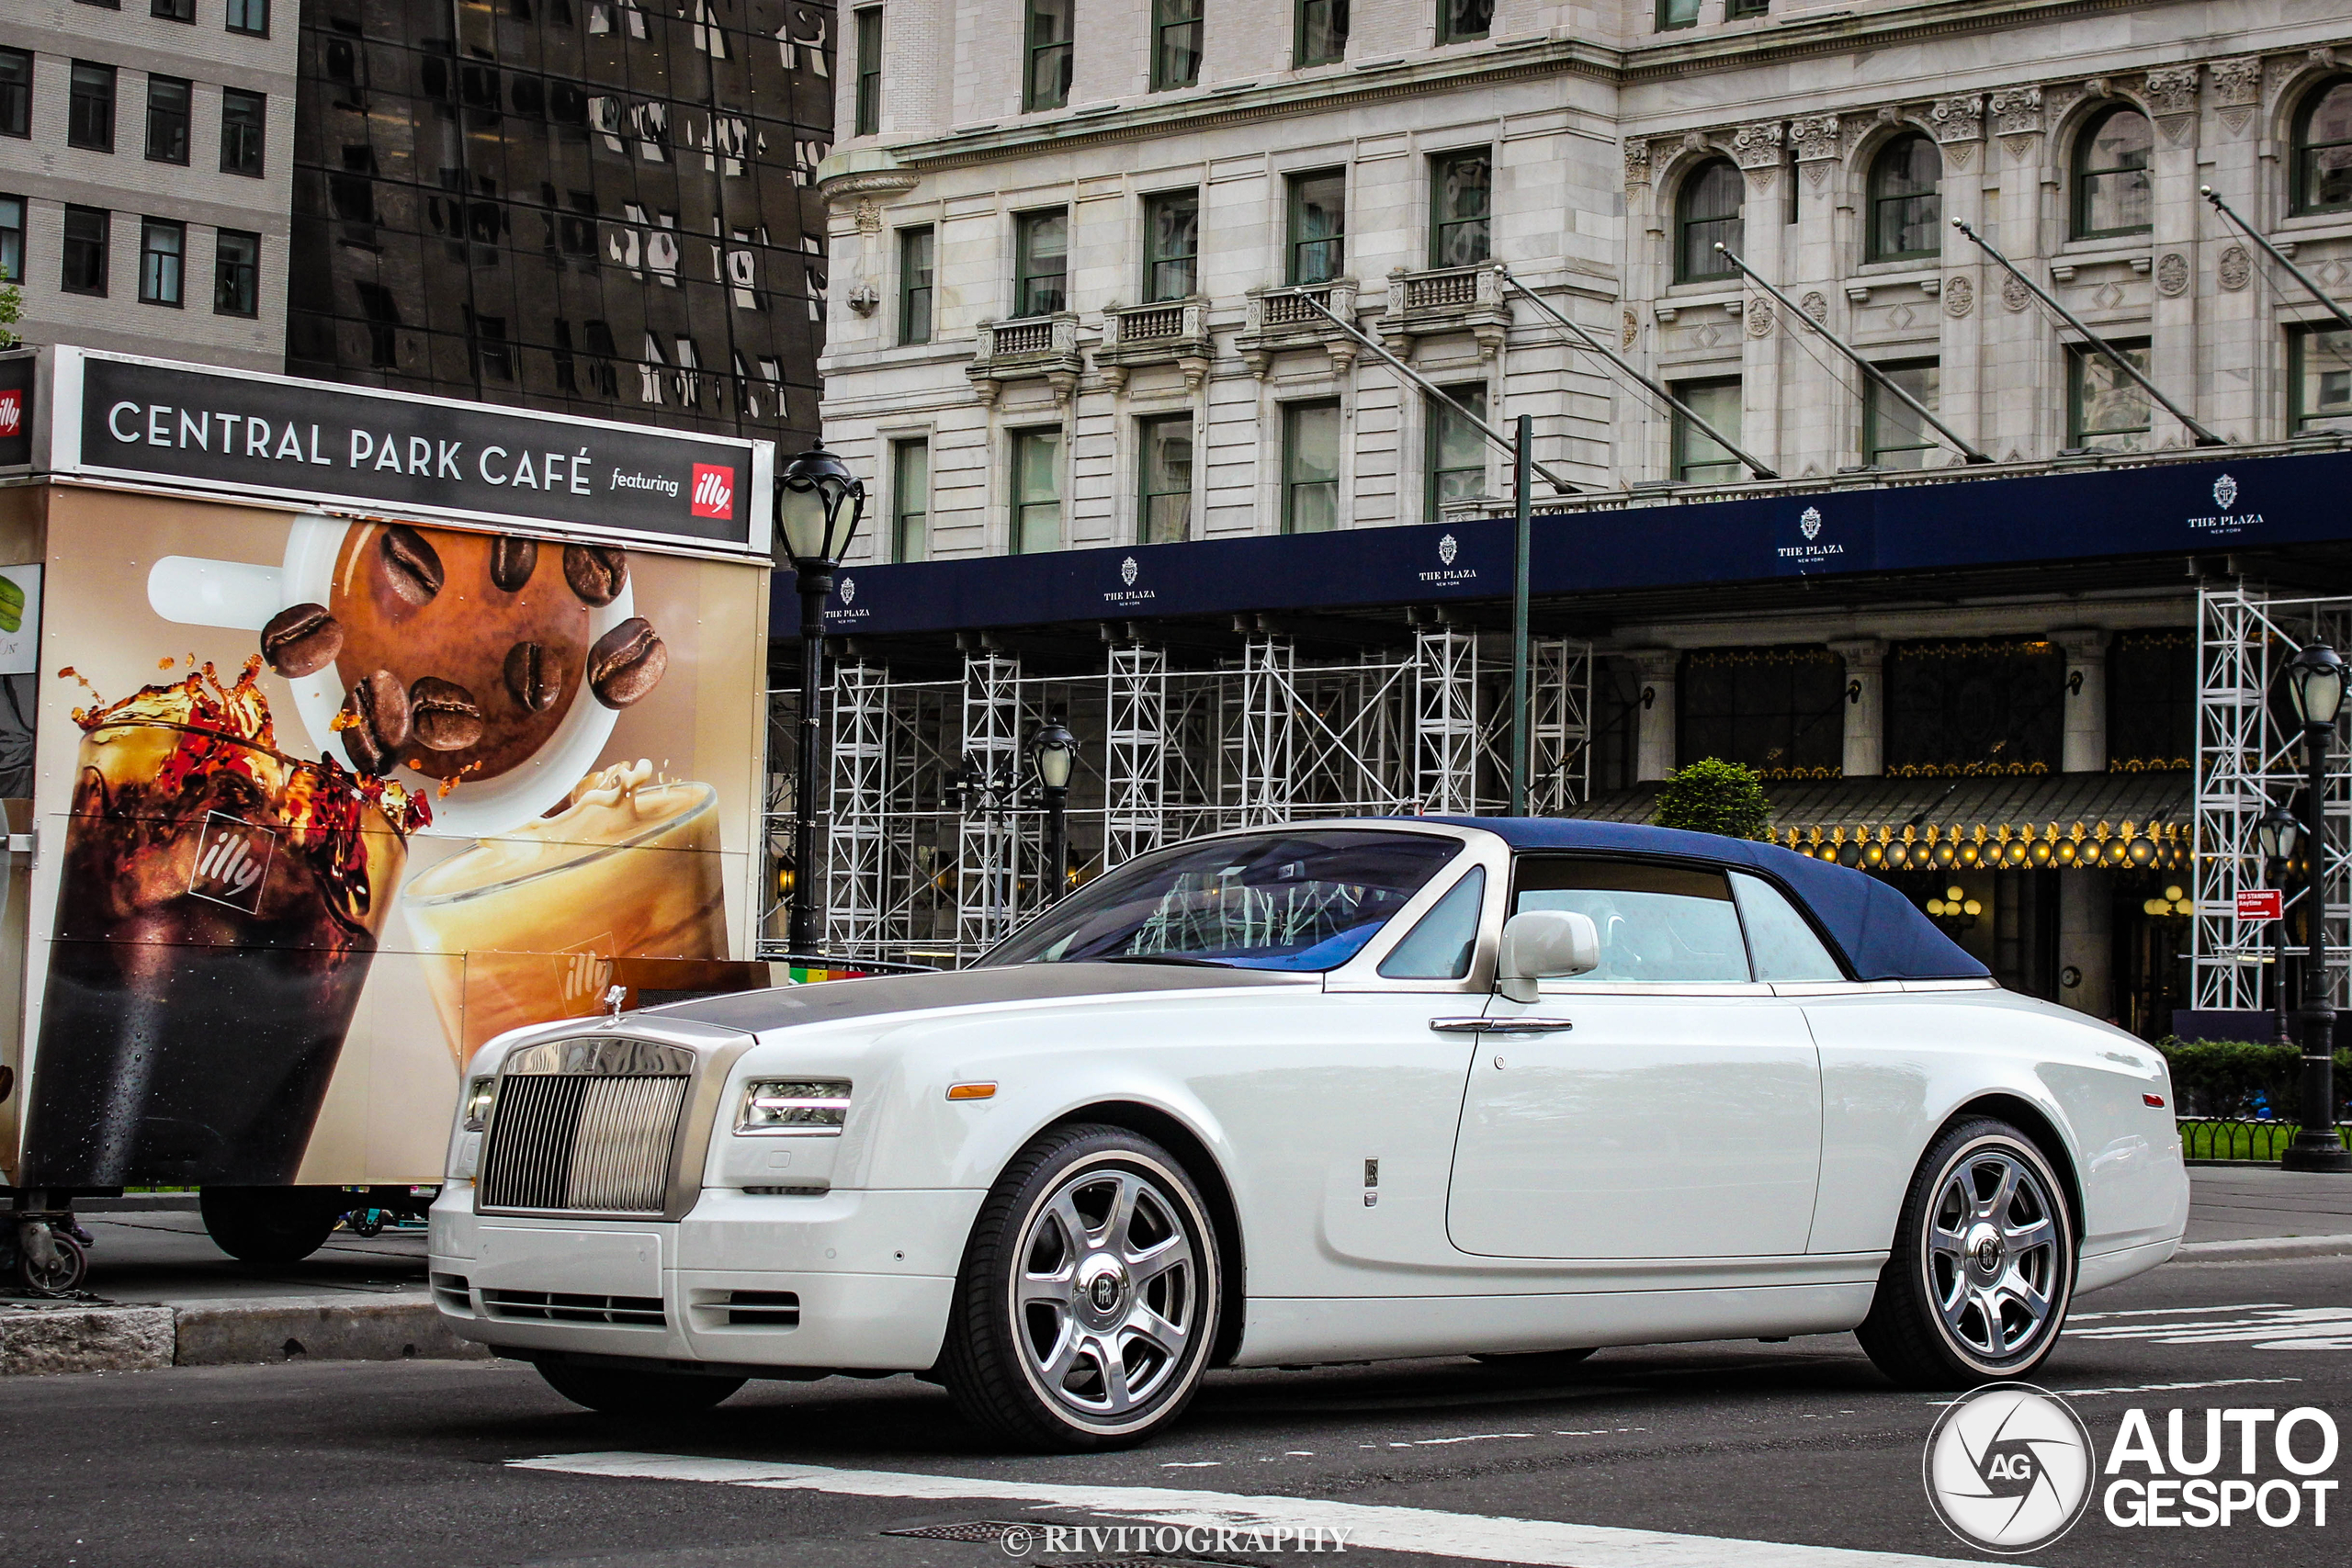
[630,868]
[217,911]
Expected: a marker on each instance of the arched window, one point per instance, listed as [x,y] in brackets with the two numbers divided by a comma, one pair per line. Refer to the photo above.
[1905,211]
[2323,172]
[1707,213]
[2111,175]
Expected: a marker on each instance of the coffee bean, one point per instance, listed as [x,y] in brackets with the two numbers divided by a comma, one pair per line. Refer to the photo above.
[444,714]
[379,722]
[410,564]
[596,572]
[301,638]
[627,662]
[529,680]
[512,561]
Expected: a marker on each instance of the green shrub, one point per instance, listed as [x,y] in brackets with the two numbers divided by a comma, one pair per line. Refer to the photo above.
[2244,1077]
[1714,796]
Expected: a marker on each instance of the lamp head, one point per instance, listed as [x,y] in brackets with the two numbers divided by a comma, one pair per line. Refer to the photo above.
[2277,832]
[818,504]
[1054,750]
[2315,679]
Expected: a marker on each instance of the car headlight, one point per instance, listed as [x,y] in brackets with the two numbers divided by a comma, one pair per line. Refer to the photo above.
[810,1107]
[480,1092]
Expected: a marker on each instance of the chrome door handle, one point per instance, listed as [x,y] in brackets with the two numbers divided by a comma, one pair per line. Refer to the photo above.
[1499,1025]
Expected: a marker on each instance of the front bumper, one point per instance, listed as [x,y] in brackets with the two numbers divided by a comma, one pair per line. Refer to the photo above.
[868,1277]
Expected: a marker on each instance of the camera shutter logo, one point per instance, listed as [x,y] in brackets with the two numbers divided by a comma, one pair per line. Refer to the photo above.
[1809,523]
[1128,572]
[233,860]
[2009,1468]
[714,491]
[2225,492]
[1447,550]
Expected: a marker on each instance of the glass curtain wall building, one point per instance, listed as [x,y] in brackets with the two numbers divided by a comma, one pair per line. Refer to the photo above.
[589,206]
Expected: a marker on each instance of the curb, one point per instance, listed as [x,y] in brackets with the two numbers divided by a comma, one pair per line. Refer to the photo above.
[2258,1249]
[73,1338]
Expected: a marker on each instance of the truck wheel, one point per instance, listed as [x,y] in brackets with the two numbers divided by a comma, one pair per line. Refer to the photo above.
[270,1224]
[1088,1302]
[1983,1270]
[616,1393]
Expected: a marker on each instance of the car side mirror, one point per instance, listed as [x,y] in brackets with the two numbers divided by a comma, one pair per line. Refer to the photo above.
[1544,944]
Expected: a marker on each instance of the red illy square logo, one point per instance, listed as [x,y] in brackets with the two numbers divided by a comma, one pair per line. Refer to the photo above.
[232,861]
[714,493]
[12,411]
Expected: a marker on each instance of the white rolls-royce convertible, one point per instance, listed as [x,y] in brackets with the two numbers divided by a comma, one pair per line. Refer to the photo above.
[1336,1091]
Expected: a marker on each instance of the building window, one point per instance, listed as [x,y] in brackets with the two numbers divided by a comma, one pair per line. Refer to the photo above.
[909,499]
[1459,21]
[914,285]
[1319,32]
[2319,379]
[492,352]
[236,273]
[1905,211]
[1699,458]
[1893,436]
[16,92]
[1047,85]
[1164,506]
[1176,33]
[383,313]
[2151,701]
[1318,224]
[249,17]
[89,113]
[1959,709]
[1036,490]
[172,10]
[2111,194]
[244,126]
[167,107]
[1041,262]
[1736,9]
[1778,710]
[1461,207]
[2105,410]
[1674,14]
[1310,468]
[162,253]
[1454,455]
[1172,245]
[12,239]
[869,70]
[2322,168]
[1707,213]
[84,253]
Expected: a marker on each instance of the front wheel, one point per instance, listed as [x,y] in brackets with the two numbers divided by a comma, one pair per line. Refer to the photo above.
[1087,1302]
[269,1224]
[1983,1270]
[616,1393]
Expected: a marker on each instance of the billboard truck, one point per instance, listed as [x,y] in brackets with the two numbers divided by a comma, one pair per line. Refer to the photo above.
[341,730]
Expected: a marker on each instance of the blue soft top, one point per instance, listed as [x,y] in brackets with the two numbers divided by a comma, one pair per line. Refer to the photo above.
[1882,934]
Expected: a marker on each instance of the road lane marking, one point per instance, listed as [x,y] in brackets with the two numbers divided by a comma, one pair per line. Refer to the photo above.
[2141,1388]
[1483,1537]
[2269,1328]
[2177,1312]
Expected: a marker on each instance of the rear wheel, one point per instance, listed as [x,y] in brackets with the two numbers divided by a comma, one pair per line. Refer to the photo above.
[270,1224]
[1982,1271]
[1087,1301]
[618,1392]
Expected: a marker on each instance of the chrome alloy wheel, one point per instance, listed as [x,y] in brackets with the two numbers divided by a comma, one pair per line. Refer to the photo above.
[1107,1296]
[1994,1254]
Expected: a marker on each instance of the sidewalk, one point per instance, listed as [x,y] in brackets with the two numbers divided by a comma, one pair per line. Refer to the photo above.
[2253,1211]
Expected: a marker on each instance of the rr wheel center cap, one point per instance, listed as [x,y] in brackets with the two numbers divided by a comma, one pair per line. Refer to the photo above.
[1986,1251]
[1101,1290]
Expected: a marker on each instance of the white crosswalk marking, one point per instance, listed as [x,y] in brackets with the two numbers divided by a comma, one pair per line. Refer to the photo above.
[1477,1537]
[2264,1327]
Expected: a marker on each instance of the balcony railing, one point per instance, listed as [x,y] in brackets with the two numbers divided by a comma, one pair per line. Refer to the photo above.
[1448,299]
[1171,332]
[1028,348]
[1288,318]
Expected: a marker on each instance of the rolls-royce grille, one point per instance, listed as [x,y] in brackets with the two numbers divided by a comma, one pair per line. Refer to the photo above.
[559,1306]
[574,1141]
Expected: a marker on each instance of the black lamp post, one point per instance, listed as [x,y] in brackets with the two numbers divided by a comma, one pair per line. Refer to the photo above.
[2315,680]
[1054,750]
[2277,832]
[818,504]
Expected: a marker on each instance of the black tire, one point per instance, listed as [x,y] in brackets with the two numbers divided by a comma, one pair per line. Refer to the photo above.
[1031,1363]
[1956,1303]
[270,1224]
[364,1221]
[616,1393]
[1536,1360]
[63,1275]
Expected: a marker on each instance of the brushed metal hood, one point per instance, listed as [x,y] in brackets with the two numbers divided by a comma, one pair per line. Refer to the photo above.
[833,1000]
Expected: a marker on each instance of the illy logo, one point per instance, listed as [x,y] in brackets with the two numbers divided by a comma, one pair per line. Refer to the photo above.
[714,493]
[1809,525]
[12,411]
[232,862]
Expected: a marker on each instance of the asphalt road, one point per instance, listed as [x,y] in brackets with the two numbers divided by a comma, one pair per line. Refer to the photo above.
[415,1463]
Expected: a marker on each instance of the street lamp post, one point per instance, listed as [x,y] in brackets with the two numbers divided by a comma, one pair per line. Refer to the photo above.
[1053,751]
[818,504]
[2315,679]
[2277,832]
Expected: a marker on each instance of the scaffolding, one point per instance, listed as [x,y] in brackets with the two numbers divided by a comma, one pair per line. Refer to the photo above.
[2249,758]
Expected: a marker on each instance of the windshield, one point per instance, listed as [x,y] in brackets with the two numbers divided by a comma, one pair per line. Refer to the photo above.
[1297,899]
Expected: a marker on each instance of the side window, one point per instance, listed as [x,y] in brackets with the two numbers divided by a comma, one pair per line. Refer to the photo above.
[1441,947]
[1779,940]
[1659,924]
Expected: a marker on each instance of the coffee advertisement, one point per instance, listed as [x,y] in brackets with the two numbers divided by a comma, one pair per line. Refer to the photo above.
[323,801]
